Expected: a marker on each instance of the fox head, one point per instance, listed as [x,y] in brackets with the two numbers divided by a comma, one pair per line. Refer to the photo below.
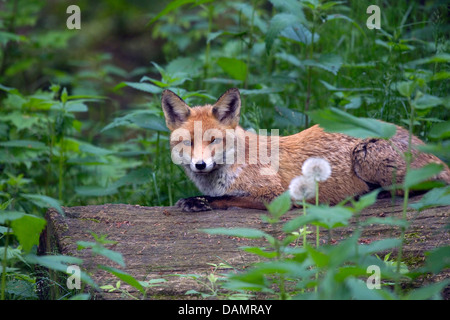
[199,134]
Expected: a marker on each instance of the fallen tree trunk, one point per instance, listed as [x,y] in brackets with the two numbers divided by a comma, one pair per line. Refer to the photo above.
[159,242]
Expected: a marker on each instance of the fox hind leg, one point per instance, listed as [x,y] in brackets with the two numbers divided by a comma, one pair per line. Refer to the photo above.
[376,162]
[379,162]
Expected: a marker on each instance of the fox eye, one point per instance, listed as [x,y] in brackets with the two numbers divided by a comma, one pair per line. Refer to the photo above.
[216,141]
[187,142]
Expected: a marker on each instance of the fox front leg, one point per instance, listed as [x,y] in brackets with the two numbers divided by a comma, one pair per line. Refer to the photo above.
[206,203]
[194,204]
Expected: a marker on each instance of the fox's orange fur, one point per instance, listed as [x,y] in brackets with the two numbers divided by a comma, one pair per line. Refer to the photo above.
[357,164]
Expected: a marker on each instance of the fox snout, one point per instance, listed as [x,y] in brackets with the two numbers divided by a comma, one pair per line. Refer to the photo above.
[200,166]
[203,157]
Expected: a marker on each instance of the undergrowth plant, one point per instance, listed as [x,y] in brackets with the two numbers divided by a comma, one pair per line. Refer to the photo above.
[330,271]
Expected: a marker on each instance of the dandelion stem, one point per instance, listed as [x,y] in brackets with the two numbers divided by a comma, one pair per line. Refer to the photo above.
[317,233]
[304,227]
[317,203]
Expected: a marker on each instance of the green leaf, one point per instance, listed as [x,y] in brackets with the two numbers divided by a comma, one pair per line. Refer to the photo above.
[236,68]
[415,176]
[437,259]
[355,103]
[328,62]
[439,149]
[378,246]
[438,58]
[434,198]
[54,262]
[76,107]
[252,279]
[278,23]
[147,120]
[146,87]
[427,101]
[213,35]
[330,217]
[280,205]
[80,296]
[290,6]
[44,202]
[8,216]
[101,250]
[192,291]
[344,17]
[124,277]
[333,88]
[320,259]
[298,222]
[289,58]
[323,216]
[366,200]
[64,95]
[175,5]
[406,88]
[248,92]
[359,290]
[5,37]
[289,117]
[20,286]
[299,33]
[237,232]
[290,267]
[27,229]
[441,75]
[89,148]
[431,291]
[30,144]
[6,204]
[142,118]
[135,177]
[95,191]
[386,221]
[185,66]
[9,89]
[260,252]
[59,263]
[335,120]
[24,121]
[440,130]
[152,283]
[86,97]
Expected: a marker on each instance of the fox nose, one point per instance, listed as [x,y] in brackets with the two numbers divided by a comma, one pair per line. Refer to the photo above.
[200,165]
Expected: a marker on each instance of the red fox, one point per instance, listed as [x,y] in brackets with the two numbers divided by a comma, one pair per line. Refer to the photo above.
[237,168]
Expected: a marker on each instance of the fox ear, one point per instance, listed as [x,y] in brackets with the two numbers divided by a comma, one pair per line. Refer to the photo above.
[176,111]
[227,109]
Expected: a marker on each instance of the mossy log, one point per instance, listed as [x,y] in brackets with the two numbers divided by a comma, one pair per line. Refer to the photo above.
[161,242]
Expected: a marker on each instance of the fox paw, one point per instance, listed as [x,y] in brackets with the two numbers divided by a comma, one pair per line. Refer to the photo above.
[194,204]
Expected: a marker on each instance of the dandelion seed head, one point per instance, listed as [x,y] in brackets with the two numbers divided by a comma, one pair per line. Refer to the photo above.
[317,169]
[302,187]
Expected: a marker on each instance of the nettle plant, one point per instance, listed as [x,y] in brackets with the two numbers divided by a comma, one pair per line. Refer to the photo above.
[327,271]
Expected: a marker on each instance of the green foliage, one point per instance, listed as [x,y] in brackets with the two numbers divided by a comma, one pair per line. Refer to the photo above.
[336,271]
[335,120]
